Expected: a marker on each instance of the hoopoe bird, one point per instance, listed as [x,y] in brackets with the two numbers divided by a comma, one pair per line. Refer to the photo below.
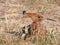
[36,18]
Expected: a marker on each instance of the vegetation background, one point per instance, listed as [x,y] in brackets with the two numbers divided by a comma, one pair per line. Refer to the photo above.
[11,20]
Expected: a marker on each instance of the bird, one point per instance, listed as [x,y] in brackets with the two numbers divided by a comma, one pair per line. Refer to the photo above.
[36,18]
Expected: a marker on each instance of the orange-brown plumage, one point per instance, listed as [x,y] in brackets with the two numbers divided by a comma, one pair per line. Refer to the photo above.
[37,28]
[35,16]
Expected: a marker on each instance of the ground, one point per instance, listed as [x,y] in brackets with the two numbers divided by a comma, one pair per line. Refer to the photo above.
[11,14]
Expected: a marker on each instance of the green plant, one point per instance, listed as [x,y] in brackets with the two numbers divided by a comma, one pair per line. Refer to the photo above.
[2,18]
[15,39]
[32,1]
[47,6]
[35,40]
[39,8]
[2,41]
[51,38]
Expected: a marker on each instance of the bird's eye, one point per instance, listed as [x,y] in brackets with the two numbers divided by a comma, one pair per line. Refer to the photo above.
[38,16]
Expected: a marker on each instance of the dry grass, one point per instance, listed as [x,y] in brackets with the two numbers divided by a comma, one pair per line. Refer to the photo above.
[40,36]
